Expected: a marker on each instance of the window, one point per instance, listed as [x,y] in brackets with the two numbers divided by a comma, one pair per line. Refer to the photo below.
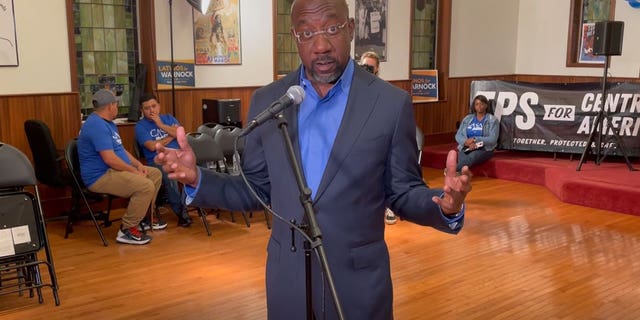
[584,13]
[105,34]
[286,55]
[423,34]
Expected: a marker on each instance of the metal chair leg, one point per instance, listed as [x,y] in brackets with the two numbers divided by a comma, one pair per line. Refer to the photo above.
[203,215]
[95,222]
[266,218]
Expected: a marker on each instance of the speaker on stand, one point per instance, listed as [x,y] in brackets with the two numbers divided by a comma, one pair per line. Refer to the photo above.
[607,42]
[608,38]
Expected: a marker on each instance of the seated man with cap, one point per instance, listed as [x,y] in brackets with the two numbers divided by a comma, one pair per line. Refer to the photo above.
[107,167]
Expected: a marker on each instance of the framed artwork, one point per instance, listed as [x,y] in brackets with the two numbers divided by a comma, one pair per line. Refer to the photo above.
[584,15]
[217,33]
[371,28]
[586,45]
[8,45]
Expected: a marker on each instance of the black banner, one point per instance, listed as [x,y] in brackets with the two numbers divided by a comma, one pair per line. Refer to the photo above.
[560,117]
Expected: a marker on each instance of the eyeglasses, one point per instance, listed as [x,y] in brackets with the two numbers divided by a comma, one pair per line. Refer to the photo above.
[307,35]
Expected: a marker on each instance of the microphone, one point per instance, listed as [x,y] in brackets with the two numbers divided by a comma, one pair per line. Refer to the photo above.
[294,95]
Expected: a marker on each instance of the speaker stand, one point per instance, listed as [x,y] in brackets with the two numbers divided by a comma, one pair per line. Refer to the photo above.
[173,80]
[598,128]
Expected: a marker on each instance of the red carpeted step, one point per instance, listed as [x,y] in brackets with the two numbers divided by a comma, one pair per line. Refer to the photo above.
[609,186]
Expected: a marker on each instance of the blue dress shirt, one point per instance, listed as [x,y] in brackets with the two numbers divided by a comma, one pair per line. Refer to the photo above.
[318,122]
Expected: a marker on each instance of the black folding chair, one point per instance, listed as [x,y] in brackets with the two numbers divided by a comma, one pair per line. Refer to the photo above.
[81,193]
[225,138]
[48,162]
[209,156]
[22,228]
[209,128]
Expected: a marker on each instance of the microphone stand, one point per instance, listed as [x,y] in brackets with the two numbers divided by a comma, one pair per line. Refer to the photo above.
[313,230]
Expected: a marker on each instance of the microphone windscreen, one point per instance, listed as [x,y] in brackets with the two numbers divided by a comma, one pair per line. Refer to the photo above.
[296,93]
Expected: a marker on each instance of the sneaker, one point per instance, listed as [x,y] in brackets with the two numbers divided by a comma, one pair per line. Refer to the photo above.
[390,217]
[158,224]
[132,236]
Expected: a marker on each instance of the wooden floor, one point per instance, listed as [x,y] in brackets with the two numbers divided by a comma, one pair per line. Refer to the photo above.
[522,254]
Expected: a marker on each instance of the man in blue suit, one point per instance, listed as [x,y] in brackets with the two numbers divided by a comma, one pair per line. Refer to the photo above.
[354,137]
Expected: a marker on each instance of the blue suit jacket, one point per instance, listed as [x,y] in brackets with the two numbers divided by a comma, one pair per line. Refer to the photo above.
[373,164]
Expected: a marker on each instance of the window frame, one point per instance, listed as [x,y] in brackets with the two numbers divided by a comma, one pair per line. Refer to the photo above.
[436,34]
[123,110]
[287,38]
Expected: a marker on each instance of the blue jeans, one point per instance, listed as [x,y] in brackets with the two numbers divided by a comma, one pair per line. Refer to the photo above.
[172,192]
[473,158]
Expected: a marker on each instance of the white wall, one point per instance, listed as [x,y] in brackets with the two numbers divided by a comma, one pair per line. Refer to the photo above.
[628,64]
[43,49]
[539,31]
[484,36]
[256,30]
[543,34]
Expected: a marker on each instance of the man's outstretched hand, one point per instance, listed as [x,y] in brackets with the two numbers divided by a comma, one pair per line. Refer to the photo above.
[179,164]
[455,187]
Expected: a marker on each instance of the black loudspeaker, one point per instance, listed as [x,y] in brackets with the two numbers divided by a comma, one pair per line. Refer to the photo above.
[608,38]
[137,88]
[222,111]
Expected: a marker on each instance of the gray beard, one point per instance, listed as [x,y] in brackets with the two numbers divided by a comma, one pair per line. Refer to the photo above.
[326,79]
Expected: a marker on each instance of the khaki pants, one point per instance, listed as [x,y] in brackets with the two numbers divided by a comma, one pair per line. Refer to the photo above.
[141,191]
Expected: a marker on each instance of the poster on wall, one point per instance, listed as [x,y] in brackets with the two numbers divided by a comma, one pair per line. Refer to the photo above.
[371,28]
[217,33]
[586,45]
[8,45]
[424,85]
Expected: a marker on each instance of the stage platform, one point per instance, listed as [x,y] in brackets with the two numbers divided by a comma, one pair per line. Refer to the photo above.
[609,186]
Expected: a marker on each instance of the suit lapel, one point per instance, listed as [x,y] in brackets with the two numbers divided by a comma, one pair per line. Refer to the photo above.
[360,104]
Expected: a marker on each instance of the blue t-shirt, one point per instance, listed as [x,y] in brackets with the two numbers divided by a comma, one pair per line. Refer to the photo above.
[98,134]
[147,130]
[475,127]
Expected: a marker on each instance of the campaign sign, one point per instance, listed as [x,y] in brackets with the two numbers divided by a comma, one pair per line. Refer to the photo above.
[424,85]
[183,74]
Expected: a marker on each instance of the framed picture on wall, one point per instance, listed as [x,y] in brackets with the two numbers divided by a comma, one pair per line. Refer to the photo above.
[8,45]
[584,14]
[371,28]
[586,45]
[217,33]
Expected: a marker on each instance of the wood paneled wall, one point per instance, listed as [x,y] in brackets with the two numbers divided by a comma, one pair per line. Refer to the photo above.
[60,111]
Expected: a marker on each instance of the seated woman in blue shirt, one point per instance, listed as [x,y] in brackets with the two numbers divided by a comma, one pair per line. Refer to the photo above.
[477,135]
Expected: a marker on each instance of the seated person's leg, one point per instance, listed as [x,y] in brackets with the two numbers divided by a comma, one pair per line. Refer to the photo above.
[464,159]
[174,196]
[155,175]
[479,156]
[140,191]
